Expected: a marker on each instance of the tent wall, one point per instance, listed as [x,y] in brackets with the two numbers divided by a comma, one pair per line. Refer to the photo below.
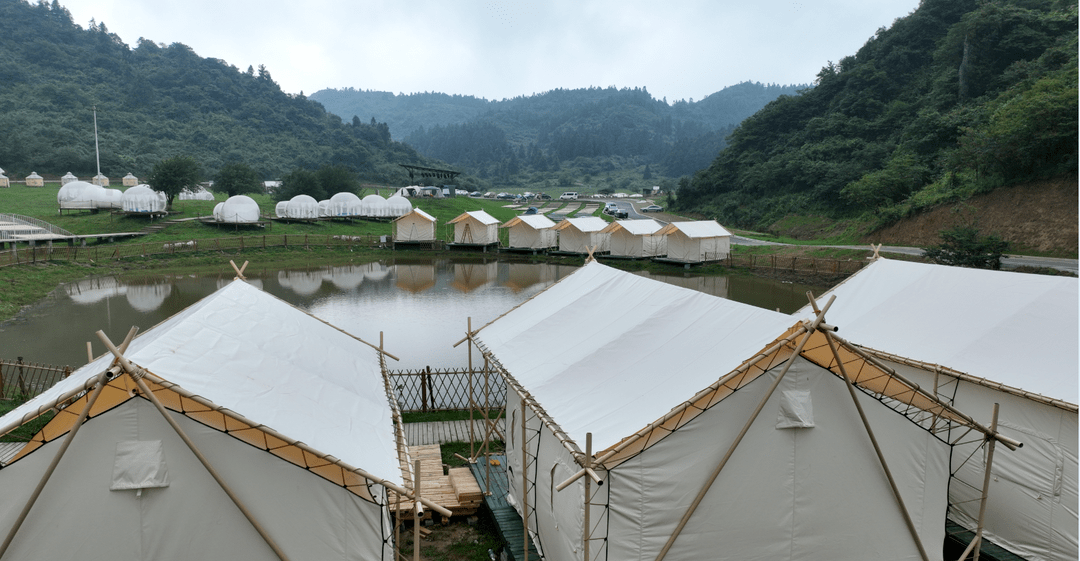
[413,228]
[625,244]
[680,246]
[473,231]
[795,493]
[524,236]
[576,241]
[1032,509]
[77,516]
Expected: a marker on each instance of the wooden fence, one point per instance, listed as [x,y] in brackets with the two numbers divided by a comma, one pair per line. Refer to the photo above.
[23,380]
[116,252]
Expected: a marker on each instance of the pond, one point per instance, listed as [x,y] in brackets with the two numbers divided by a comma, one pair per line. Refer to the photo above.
[421,308]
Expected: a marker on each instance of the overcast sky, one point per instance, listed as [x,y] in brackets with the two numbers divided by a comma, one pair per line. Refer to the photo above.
[677,49]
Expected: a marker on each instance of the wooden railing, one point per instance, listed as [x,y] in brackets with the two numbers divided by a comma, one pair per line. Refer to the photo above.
[795,264]
[446,390]
[23,380]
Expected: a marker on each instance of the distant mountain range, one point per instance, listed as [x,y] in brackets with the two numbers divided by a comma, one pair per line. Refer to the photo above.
[612,128]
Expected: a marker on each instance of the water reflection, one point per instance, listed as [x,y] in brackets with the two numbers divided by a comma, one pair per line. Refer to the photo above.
[420,308]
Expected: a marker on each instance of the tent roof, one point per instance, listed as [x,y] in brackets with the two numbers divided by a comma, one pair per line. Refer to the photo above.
[260,357]
[697,229]
[613,338]
[1011,328]
[478,215]
[417,212]
[643,227]
[535,221]
[584,224]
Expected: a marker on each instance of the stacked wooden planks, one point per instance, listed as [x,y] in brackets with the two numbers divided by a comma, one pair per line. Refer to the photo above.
[457,490]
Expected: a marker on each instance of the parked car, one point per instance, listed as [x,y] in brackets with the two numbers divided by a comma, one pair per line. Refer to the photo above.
[531,210]
[621,213]
[544,197]
[653,208]
[568,196]
[610,208]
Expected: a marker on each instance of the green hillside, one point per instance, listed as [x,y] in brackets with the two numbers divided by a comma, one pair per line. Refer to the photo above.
[155,101]
[958,98]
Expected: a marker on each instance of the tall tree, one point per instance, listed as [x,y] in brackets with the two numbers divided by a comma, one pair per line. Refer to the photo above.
[236,178]
[172,175]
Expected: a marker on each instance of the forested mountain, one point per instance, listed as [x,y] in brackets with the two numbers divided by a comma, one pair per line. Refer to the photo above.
[957,98]
[156,101]
[595,130]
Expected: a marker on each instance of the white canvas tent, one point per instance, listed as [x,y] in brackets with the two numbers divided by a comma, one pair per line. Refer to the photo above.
[987,337]
[533,231]
[636,238]
[582,235]
[416,226]
[651,398]
[697,241]
[291,415]
[476,227]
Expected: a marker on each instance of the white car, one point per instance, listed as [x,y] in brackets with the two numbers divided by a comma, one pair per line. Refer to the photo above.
[568,196]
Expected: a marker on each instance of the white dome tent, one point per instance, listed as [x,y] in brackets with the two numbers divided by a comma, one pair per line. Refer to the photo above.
[110,198]
[198,194]
[324,208]
[398,206]
[142,199]
[374,206]
[238,209]
[344,204]
[80,195]
[281,209]
[302,206]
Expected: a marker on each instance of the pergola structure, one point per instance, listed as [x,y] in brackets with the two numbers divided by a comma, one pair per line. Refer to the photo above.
[419,171]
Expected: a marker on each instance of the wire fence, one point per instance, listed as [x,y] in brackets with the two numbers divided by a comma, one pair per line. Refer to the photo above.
[117,252]
[447,390]
[23,380]
[796,264]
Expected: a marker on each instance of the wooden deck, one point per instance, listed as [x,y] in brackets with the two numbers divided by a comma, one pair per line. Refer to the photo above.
[419,434]
[455,489]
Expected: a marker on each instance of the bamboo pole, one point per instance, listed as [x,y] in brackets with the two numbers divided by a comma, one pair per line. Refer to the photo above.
[877,449]
[986,486]
[524,481]
[738,439]
[472,402]
[588,499]
[416,516]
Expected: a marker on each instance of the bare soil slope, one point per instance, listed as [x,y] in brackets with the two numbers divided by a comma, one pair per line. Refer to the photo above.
[1038,217]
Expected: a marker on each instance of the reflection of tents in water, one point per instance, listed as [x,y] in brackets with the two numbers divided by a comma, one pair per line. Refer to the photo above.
[715,284]
[345,278]
[471,276]
[148,297]
[414,278]
[375,271]
[524,275]
[304,283]
[89,291]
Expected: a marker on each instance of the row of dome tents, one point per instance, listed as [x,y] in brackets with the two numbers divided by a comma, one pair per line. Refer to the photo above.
[178,458]
[137,199]
[673,430]
[343,205]
[692,241]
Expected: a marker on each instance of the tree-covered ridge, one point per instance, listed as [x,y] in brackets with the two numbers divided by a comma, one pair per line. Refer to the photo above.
[605,127]
[156,101]
[959,97]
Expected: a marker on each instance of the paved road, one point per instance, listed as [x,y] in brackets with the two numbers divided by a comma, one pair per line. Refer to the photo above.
[1010,262]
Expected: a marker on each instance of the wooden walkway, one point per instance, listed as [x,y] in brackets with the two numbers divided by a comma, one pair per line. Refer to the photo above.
[420,434]
[506,518]
[454,489]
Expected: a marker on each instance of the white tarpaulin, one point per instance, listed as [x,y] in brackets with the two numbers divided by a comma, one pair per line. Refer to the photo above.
[1001,335]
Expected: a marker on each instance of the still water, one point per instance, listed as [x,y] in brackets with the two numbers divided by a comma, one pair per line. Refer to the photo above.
[422,308]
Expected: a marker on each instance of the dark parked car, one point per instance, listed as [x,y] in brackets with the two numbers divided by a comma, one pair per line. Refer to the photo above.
[653,208]
[531,210]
